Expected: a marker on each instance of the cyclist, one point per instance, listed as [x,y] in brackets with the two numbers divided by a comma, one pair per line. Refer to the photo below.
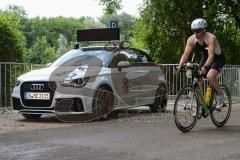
[213,58]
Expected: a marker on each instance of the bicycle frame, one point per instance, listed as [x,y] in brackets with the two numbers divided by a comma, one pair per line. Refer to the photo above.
[196,89]
[199,95]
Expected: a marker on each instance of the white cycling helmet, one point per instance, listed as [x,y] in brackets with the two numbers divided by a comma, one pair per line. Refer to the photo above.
[199,23]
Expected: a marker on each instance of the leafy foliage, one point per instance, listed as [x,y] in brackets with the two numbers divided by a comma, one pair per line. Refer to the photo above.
[41,52]
[44,39]
[111,6]
[62,45]
[51,28]
[164,26]
[12,41]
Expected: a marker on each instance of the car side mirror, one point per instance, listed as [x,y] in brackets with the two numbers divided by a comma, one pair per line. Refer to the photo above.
[123,64]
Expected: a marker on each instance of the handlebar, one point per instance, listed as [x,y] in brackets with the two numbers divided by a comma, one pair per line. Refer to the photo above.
[191,67]
[185,66]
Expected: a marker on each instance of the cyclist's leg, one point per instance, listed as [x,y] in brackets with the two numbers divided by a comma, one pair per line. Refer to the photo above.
[216,67]
[218,63]
[212,78]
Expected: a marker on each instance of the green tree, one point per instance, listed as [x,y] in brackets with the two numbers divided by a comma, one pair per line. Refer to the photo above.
[164,26]
[51,28]
[165,33]
[62,45]
[11,39]
[41,52]
[17,10]
[111,6]
[140,32]
[50,54]
[224,19]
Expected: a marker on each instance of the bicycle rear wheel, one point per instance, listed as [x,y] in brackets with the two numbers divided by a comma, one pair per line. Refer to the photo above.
[186,109]
[221,115]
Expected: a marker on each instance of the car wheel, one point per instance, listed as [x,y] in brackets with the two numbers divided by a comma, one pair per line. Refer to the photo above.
[159,105]
[31,116]
[160,101]
[103,103]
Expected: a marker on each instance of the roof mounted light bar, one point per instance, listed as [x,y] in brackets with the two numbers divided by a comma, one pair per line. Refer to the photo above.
[103,34]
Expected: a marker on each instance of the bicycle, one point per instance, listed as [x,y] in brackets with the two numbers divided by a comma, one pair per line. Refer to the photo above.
[191,104]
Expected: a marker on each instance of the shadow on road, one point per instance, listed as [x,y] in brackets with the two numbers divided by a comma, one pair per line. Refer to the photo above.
[117,114]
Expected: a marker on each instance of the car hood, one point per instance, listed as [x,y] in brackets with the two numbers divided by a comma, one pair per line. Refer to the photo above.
[38,75]
[60,73]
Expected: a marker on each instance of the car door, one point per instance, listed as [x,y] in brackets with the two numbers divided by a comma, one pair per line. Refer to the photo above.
[150,80]
[154,83]
[129,81]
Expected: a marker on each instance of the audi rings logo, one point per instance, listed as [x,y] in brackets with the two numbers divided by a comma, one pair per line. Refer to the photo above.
[37,87]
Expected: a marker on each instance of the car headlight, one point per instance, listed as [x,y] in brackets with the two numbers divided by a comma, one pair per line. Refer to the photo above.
[76,83]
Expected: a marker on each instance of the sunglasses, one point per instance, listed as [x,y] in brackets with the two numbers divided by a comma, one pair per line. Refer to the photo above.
[197,30]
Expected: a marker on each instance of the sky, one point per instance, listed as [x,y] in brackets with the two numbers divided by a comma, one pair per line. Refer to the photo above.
[69,8]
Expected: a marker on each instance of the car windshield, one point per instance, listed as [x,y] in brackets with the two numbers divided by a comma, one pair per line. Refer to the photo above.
[80,58]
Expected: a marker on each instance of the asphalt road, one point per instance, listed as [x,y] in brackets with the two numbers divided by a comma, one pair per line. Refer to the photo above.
[141,137]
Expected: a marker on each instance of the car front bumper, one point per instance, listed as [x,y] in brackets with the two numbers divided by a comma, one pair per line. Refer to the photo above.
[61,102]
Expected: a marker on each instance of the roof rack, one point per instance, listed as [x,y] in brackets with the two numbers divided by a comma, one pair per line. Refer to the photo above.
[107,44]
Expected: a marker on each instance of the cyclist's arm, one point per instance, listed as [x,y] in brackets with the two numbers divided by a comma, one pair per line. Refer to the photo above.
[187,51]
[211,49]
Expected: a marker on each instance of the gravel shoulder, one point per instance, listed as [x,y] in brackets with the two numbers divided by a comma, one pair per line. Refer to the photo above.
[15,122]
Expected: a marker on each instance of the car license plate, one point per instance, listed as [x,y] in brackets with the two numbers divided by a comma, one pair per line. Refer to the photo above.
[37,95]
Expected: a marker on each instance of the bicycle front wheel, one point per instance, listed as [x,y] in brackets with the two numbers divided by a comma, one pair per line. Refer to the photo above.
[186,109]
[221,115]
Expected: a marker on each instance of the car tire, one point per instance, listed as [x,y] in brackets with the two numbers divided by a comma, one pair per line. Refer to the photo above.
[159,105]
[103,103]
[31,116]
[160,101]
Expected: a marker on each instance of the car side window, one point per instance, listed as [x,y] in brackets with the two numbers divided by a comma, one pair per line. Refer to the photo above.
[133,56]
[144,56]
[124,55]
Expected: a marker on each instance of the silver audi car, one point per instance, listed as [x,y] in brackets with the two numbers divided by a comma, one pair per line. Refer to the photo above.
[92,80]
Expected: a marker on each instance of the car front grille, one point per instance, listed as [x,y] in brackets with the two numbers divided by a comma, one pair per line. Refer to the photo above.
[49,87]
